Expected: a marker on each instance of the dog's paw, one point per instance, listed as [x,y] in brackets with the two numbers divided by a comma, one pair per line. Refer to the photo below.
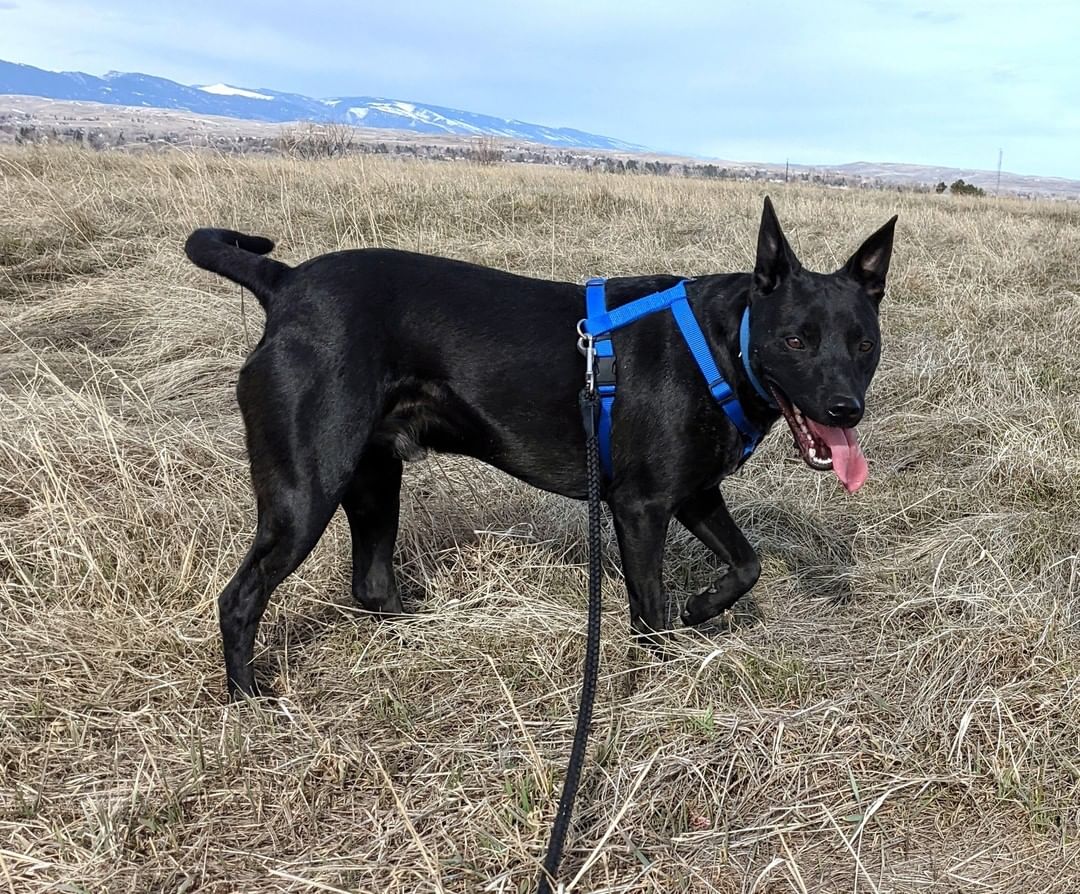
[701,607]
[652,643]
[256,692]
[709,611]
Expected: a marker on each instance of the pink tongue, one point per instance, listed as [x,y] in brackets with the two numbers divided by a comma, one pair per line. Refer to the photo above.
[848,461]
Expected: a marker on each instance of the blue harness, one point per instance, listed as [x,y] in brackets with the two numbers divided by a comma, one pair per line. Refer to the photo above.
[600,323]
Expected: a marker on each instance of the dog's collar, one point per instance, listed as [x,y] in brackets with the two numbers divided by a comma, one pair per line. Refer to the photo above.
[744,353]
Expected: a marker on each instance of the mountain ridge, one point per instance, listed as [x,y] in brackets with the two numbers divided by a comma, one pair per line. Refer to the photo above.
[265,104]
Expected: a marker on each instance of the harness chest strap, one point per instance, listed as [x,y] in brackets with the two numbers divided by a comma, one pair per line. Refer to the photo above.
[600,323]
[604,370]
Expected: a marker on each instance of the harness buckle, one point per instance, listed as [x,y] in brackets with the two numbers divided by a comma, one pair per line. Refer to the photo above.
[605,371]
[722,392]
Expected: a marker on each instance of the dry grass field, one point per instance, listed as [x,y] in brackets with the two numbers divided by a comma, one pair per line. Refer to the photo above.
[896,708]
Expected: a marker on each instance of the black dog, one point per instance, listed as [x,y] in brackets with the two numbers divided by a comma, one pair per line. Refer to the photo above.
[373,355]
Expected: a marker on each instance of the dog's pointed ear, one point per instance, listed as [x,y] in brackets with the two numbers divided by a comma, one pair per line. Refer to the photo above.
[870,264]
[775,259]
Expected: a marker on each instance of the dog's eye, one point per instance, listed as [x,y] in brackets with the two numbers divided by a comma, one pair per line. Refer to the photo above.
[794,343]
[865,346]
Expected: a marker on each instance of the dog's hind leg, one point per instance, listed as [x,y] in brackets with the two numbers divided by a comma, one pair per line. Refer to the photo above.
[641,528]
[707,518]
[372,503]
[304,443]
[287,531]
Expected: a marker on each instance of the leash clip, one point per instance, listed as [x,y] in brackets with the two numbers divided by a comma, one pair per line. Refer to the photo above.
[586,344]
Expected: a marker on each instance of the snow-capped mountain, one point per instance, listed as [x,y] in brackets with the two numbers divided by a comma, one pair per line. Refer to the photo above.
[226,90]
[258,104]
[369,111]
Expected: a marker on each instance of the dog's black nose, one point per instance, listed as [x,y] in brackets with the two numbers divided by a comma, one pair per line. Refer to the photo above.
[845,411]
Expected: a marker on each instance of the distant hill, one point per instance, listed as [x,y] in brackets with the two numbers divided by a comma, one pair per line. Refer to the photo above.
[132,89]
[914,175]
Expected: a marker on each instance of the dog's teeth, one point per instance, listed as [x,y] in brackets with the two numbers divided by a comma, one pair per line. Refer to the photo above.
[812,452]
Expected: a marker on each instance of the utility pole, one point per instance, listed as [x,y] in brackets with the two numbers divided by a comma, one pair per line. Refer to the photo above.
[787,166]
[998,187]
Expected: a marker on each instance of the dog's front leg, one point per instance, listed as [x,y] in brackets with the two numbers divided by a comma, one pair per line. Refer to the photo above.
[707,518]
[641,528]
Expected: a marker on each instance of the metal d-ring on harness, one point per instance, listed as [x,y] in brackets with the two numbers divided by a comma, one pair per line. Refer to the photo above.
[596,400]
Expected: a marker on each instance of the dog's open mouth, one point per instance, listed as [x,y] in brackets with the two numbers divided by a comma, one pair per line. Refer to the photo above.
[825,448]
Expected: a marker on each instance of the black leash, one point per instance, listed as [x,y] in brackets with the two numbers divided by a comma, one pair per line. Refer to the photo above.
[589,403]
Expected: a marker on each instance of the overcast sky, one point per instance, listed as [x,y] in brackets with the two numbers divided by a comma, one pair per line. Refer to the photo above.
[823,81]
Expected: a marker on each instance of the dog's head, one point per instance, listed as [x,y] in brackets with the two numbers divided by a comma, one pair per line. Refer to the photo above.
[815,343]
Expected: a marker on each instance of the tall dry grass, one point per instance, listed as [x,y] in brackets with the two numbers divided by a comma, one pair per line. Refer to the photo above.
[896,708]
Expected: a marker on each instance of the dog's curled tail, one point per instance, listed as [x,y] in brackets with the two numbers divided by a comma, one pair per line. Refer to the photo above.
[238,257]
